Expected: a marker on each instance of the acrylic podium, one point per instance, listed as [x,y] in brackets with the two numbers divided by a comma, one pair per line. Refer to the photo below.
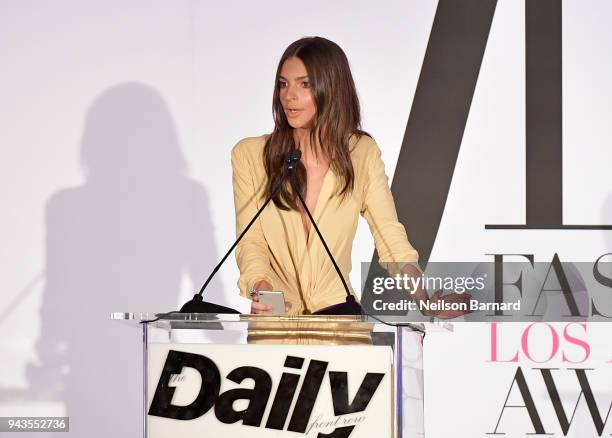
[207,375]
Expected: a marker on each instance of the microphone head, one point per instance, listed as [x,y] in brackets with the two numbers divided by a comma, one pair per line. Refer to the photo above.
[292,159]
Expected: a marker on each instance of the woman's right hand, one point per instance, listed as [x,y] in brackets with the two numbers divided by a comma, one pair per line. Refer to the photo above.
[256,306]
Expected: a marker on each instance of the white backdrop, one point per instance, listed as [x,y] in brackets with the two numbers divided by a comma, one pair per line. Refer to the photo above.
[116,124]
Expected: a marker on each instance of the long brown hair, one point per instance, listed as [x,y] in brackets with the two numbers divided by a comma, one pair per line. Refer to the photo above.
[337,118]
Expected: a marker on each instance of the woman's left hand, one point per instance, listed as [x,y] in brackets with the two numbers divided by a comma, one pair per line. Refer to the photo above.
[450,298]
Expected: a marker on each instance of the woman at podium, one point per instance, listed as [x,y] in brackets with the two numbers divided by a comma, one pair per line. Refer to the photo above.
[340,175]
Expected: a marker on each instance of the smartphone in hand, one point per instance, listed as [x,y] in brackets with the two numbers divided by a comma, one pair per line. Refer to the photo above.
[274,299]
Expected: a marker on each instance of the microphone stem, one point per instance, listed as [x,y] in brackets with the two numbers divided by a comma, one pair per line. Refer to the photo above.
[212,274]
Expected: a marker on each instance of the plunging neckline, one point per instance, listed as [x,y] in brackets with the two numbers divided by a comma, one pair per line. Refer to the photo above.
[304,216]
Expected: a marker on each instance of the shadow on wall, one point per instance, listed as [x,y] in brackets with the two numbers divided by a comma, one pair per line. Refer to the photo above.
[120,242]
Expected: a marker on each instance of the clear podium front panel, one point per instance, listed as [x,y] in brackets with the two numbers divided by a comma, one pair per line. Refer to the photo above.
[271,376]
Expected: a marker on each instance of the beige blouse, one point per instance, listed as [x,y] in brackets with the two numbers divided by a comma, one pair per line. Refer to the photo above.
[275,248]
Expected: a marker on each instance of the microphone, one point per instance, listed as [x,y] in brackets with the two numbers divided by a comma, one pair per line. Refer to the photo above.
[292,159]
[197,304]
[350,306]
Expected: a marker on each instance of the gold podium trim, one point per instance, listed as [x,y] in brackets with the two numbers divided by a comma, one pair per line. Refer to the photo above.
[308,329]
